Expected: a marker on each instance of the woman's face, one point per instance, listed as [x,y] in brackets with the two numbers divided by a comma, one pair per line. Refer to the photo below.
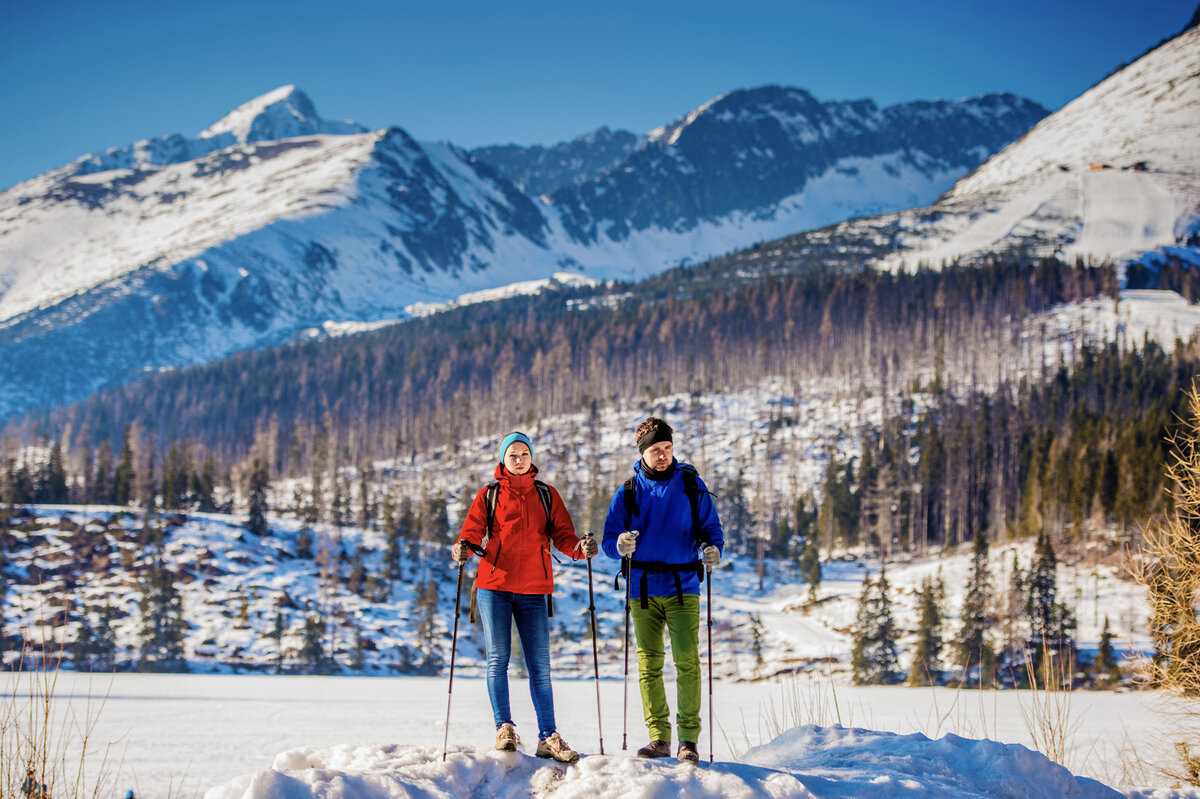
[658,457]
[517,458]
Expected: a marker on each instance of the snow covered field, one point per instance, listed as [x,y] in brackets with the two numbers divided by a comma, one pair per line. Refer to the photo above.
[183,735]
[259,736]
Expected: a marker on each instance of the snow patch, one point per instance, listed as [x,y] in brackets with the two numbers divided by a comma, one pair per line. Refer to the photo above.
[805,763]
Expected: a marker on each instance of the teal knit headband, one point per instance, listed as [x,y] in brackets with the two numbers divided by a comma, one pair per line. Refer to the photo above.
[513,438]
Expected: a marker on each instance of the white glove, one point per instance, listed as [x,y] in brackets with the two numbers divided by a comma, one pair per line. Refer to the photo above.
[459,552]
[589,546]
[711,557]
[626,543]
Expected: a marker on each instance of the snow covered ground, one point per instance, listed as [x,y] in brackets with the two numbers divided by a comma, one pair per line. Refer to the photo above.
[252,737]
[1164,316]
[225,735]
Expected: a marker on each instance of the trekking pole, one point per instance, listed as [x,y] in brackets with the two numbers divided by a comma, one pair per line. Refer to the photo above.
[708,609]
[625,709]
[454,642]
[595,647]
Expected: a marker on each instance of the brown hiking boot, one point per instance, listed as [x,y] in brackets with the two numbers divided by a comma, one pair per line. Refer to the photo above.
[655,749]
[506,738]
[688,753]
[554,746]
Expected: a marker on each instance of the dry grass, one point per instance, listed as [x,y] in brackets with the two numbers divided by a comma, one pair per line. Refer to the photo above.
[803,699]
[44,743]
[1047,713]
[1168,566]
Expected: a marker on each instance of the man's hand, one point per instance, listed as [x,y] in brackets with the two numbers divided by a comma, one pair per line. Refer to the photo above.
[627,543]
[589,546]
[711,557]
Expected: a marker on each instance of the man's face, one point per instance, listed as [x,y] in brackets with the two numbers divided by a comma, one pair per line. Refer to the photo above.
[658,456]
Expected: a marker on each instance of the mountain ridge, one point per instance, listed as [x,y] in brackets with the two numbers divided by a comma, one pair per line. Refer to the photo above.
[175,251]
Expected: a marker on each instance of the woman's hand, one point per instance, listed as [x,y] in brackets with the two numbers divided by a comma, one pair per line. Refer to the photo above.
[460,552]
[588,546]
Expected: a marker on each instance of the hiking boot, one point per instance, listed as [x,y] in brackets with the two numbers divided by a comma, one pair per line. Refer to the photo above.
[655,749]
[554,746]
[688,753]
[506,738]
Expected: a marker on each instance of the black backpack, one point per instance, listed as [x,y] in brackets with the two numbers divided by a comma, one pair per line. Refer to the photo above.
[691,487]
[491,497]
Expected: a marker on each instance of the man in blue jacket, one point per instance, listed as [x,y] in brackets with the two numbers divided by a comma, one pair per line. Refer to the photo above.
[663,519]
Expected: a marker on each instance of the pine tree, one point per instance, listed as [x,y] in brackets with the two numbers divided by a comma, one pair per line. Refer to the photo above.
[425,619]
[100,488]
[125,479]
[304,543]
[204,486]
[366,477]
[278,630]
[104,648]
[357,580]
[83,652]
[1051,643]
[312,647]
[873,658]
[838,515]
[257,492]
[1015,615]
[319,465]
[1043,594]
[52,478]
[162,619]
[437,520]
[810,565]
[927,651]
[391,535]
[175,478]
[1104,669]
[1110,483]
[756,643]
[974,650]
[358,651]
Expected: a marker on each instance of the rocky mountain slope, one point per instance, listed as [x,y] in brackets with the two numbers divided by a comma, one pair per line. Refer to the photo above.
[178,251]
[1114,175]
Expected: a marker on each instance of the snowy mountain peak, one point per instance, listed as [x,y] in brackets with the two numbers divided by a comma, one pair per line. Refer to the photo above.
[262,228]
[1147,112]
[283,113]
[1113,176]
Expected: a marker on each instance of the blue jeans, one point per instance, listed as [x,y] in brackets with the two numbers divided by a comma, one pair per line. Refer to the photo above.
[497,610]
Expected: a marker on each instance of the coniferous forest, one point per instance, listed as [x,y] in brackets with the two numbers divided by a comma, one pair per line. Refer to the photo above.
[992,423]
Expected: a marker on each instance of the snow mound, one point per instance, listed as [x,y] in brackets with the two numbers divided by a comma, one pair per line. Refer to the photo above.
[805,763]
[837,762]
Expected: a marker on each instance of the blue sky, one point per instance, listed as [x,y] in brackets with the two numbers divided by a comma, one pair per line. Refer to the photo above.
[84,75]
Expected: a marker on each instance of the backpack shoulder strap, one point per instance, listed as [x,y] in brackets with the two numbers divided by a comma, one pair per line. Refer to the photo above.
[547,503]
[490,496]
[691,487]
[630,494]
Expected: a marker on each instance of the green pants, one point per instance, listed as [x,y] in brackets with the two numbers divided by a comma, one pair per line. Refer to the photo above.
[682,624]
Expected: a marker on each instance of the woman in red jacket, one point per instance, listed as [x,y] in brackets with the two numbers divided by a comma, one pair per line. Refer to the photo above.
[514,582]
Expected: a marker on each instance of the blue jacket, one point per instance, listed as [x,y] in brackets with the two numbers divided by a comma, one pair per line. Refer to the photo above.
[664,524]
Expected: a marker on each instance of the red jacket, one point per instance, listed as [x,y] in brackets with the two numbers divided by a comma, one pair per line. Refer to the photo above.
[518,553]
